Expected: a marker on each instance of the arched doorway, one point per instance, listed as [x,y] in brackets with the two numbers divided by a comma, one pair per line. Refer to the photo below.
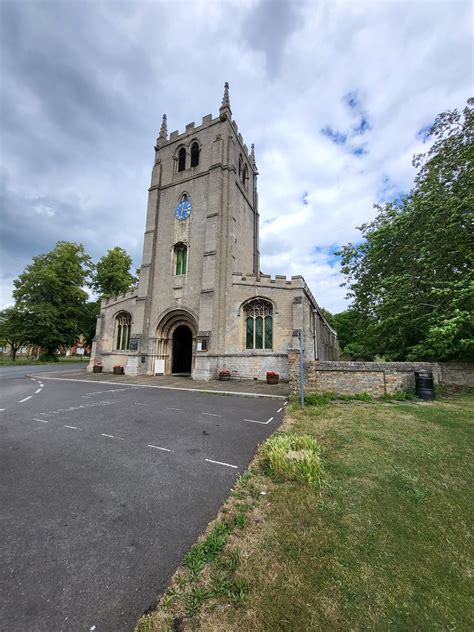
[182,349]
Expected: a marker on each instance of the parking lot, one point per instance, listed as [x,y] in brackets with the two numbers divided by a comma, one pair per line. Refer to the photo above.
[104,487]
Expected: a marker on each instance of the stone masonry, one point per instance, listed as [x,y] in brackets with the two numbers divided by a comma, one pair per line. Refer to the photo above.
[375,378]
[217,309]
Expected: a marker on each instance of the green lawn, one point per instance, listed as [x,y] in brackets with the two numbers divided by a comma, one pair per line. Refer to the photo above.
[383,542]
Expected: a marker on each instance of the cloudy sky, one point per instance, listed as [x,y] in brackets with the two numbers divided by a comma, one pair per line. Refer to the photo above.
[335,95]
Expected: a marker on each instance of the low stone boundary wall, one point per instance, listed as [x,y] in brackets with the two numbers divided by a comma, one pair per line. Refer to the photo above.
[375,378]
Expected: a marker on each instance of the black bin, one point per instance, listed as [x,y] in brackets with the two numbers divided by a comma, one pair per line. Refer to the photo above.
[424,385]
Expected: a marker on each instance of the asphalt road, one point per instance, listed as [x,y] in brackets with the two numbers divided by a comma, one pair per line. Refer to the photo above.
[104,488]
[21,370]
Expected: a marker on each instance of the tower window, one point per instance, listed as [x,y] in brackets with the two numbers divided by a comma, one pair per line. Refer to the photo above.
[245,177]
[182,159]
[259,325]
[240,165]
[123,324]
[194,155]
[181,259]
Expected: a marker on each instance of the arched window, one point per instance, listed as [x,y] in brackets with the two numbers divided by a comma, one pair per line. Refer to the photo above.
[181,258]
[245,177]
[123,324]
[194,155]
[241,164]
[182,159]
[259,325]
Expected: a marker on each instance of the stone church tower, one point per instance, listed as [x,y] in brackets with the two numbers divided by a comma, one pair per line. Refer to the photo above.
[202,303]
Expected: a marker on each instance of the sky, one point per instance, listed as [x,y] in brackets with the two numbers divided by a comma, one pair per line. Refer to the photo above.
[336,96]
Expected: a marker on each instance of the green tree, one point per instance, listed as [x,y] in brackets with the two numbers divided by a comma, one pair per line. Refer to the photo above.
[112,274]
[50,294]
[13,328]
[412,277]
[91,312]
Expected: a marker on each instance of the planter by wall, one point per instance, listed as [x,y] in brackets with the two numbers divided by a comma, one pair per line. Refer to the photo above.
[96,369]
[118,370]
[273,378]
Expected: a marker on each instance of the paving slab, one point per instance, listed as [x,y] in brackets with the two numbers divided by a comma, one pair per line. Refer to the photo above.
[253,388]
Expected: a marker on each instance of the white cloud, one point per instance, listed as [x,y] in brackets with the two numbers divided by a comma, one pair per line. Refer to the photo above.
[83,104]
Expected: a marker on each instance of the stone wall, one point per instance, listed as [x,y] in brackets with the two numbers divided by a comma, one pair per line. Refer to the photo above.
[352,378]
[374,378]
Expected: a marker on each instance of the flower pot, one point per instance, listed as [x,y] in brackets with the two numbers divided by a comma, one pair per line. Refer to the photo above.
[224,376]
[118,370]
[97,369]
[273,378]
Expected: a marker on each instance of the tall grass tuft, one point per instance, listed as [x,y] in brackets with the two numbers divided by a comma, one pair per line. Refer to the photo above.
[292,457]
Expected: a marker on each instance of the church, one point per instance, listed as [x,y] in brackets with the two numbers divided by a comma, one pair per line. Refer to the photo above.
[202,304]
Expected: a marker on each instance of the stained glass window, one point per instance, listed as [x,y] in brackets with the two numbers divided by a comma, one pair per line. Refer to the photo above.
[249,337]
[259,325]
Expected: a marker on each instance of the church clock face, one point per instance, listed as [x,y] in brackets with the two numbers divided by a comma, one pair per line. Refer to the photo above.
[183,210]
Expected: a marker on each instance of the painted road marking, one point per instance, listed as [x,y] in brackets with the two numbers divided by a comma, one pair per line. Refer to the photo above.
[221,463]
[285,403]
[254,421]
[43,421]
[38,390]
[72,427]
[2,409]
[24,399]
[157,447]
[279,410]
[211,414]
[112,437]
[82,406]
[41,384]
[168,408]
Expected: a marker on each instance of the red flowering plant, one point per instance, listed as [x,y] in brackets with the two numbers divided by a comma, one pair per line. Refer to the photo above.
[272,374]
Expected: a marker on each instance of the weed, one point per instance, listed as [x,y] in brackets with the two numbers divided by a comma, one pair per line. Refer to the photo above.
[194,600]
[292,457]
[240,520]
[237,592]
[234,560]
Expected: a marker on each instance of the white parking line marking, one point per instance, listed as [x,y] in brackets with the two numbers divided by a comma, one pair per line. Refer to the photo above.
[254,421]
[38,390]
[140,404]
[43,421]
[41,384]
[24,399]
[72,427]
[285,403]
[112,436]
[221,463]
[168,408]
[279,410]
[211,414]
[2,409]
[157,447]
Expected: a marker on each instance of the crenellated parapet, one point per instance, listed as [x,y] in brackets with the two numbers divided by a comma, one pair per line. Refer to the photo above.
[125,296]
[266,280]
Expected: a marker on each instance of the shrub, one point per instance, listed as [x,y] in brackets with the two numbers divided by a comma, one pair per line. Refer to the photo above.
[292,457]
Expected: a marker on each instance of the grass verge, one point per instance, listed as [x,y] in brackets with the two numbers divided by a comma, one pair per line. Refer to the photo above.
[381,540]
